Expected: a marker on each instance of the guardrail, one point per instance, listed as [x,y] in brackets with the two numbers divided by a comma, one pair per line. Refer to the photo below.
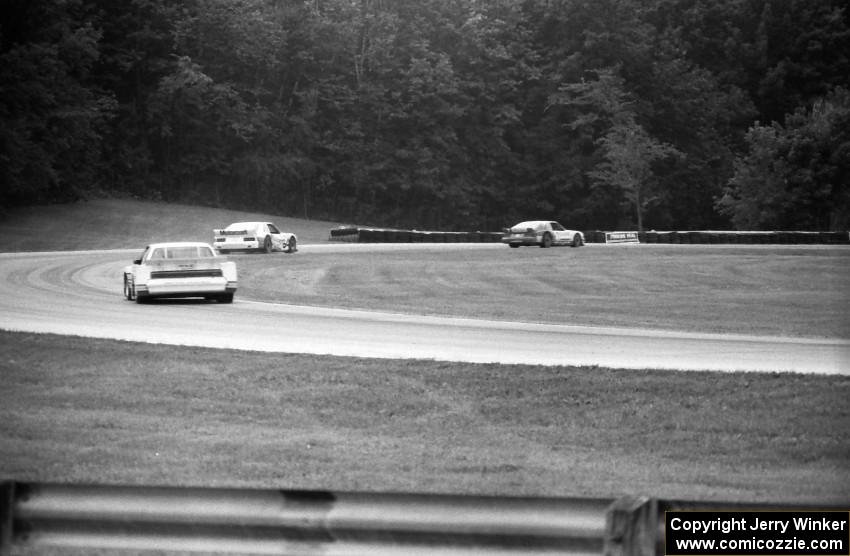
[254,521]
[295,522]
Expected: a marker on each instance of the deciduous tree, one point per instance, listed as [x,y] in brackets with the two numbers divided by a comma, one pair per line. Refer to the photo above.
[795,176]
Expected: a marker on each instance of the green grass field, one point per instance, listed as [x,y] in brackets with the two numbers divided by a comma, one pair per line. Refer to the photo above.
[778,291]
[82,410]
[124,224]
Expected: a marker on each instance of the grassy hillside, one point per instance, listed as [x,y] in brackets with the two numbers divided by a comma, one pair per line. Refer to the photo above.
[125,223]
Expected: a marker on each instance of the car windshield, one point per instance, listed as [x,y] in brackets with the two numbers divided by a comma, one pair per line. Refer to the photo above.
[241,227]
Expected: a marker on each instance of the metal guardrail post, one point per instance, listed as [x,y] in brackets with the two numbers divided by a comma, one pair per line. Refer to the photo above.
[7,499]
[631,527]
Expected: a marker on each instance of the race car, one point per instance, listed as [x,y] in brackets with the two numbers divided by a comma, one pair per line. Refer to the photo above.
[254,236]
[180,269]
[544,233]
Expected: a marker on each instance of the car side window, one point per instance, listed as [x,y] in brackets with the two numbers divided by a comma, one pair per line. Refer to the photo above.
[273,229]
[157,254]
[557,227]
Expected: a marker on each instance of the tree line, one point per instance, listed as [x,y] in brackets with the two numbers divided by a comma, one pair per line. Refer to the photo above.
[437,114]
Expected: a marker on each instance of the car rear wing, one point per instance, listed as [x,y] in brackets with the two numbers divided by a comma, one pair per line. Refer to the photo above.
[193,267]
[231,232]
[199,262]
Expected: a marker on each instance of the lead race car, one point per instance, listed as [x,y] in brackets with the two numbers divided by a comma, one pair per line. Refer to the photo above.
[180,269]
[250,236]
[544,233]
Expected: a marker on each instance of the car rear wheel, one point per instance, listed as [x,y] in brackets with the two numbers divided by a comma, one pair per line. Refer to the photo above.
[513,245]
[128,289]
[225,298]
[292,246]
[267,244]
[547,240]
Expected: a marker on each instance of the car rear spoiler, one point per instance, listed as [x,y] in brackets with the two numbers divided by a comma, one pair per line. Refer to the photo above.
[230,232]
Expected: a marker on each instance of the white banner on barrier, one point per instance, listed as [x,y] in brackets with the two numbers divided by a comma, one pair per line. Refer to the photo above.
[621,237]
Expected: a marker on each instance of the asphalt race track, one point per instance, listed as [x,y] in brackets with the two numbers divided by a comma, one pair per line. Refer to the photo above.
[80,293]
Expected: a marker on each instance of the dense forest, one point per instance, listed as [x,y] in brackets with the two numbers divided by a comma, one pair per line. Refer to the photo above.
[437,114]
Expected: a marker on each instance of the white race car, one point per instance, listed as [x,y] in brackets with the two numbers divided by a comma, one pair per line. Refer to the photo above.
[263,236]
[180,269]
[544,233]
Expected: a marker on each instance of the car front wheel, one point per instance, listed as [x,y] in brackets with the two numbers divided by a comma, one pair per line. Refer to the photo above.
[292,246]
[577,242]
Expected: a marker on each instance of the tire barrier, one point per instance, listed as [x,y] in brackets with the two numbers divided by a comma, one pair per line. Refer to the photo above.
[345,234]
[381,235]
[729,237]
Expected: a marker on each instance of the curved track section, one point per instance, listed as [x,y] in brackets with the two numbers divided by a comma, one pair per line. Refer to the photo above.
[79,293]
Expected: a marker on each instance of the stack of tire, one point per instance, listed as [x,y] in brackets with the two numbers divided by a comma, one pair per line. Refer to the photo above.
[730,237]
[382,235]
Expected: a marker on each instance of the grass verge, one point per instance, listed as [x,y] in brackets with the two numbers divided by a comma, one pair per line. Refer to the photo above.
[780,291]
[131,224]
[80,410]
